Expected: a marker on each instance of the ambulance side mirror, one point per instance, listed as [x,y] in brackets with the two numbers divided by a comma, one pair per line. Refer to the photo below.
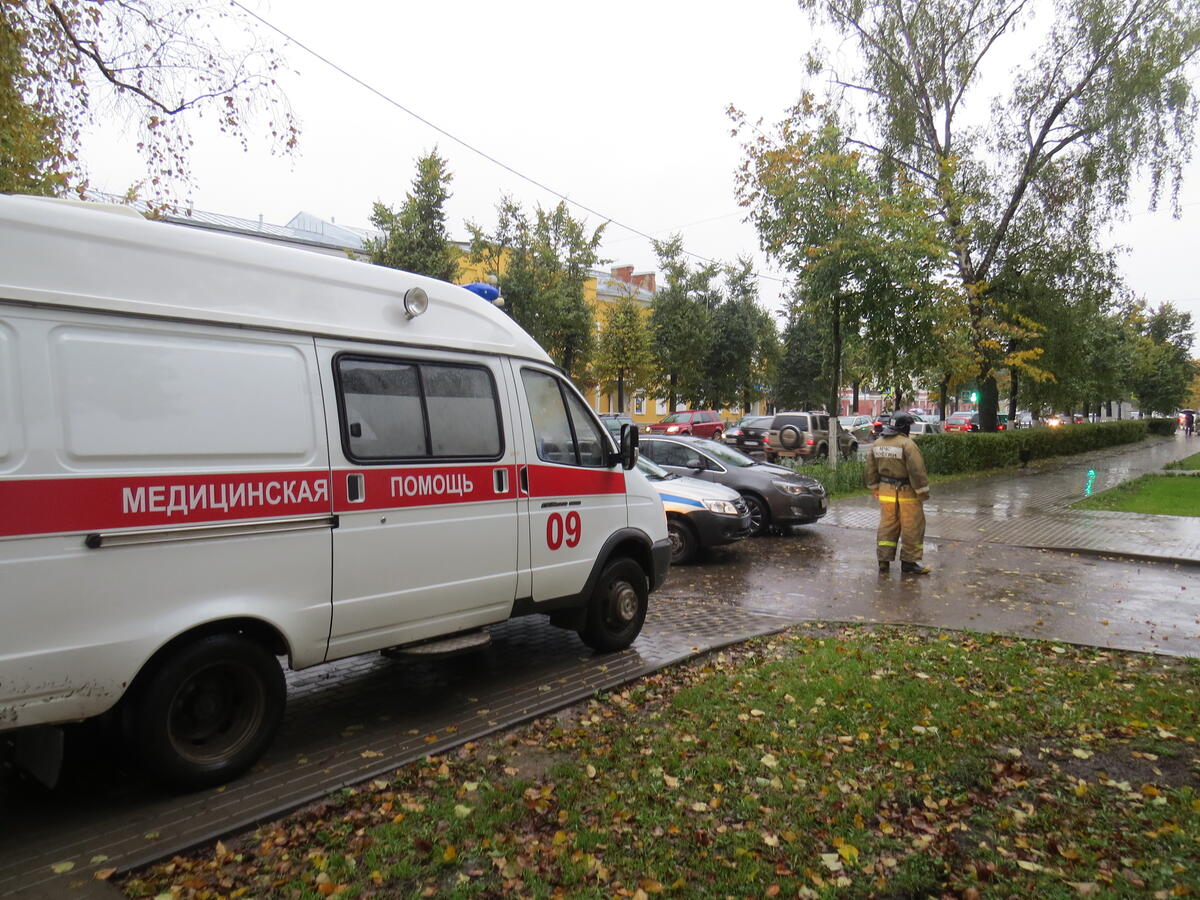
[629,446]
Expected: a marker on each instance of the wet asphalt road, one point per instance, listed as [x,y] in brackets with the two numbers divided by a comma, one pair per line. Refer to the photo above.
[829,572]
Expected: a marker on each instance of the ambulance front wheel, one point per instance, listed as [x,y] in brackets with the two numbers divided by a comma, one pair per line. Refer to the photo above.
[617,608]
[207,712]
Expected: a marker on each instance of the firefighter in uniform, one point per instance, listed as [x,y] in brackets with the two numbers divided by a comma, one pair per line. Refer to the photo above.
[896,476]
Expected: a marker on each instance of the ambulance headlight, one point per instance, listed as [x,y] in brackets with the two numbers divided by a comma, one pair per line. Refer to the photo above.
[416,301]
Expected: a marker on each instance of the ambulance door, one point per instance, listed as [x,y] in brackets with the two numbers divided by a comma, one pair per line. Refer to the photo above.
[424,488]
[574,499]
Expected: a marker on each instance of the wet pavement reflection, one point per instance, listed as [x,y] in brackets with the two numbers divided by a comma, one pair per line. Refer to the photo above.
[826,572]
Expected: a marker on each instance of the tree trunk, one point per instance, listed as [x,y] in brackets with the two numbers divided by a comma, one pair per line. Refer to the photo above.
[942,389]
[620,393]
[673,393]
[836,389]
[1108,409]
[856,386]
[1014,377]
[989,401]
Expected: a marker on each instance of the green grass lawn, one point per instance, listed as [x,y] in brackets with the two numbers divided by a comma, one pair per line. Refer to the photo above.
[846,762]
[1166,495]
[1190,462]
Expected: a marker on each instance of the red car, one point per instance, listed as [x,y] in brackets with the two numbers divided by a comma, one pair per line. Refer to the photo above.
[704,423]
[969,421]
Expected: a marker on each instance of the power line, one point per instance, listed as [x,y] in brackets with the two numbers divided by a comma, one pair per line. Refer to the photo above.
[380,94]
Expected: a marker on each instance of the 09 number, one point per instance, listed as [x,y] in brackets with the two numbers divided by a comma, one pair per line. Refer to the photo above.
[560,530]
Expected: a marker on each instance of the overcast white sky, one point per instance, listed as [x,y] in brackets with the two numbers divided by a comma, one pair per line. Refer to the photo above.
[619,105]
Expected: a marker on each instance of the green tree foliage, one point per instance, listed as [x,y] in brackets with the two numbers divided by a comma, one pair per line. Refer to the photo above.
[1069,342]
[1103,94]
[679,324]
[741,343]
[624,362]
[156,62]
[415,238]
[544,263]
[802,378]
[33,158]
[1162,371]
[865,254]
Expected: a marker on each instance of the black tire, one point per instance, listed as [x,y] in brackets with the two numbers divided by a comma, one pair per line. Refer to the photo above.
[850,452]
[617,607]
[789,437]
[760,514]
[684,544]
[718,436]
[207,711]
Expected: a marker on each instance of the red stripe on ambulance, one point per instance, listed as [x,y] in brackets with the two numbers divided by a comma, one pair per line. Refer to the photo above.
[64,505]
[52,505]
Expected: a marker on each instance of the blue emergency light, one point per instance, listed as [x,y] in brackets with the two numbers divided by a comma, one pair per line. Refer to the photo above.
[488,292]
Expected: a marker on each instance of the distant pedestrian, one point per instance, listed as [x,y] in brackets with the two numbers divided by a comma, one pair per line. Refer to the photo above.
[896,476]
[1189,422]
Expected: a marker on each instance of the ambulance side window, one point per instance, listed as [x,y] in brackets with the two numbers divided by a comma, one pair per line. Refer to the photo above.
[564,430]
[414,410]
[462,411]
[591,443]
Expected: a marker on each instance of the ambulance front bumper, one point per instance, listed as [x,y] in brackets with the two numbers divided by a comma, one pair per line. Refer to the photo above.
[661,555]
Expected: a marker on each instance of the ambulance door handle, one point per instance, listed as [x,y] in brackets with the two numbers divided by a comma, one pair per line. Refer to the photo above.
[525,480]
[354,488]
[500,481]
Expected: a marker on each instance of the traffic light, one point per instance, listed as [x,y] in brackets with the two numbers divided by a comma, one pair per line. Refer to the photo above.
[974,396]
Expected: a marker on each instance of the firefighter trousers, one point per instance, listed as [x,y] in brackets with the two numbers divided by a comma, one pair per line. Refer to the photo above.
[901,522]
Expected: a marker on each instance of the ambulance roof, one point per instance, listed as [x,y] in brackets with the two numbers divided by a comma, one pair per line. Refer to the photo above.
[88,256]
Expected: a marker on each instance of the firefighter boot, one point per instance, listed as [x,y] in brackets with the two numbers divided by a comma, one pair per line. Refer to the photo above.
[885,567]
[914,568]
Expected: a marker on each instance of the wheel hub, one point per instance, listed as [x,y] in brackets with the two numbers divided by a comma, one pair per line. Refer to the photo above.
[625,602]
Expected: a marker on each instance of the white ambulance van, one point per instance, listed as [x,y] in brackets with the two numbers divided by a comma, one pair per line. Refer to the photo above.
[217,452]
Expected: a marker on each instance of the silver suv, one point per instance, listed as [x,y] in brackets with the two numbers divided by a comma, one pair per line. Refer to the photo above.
[805,436]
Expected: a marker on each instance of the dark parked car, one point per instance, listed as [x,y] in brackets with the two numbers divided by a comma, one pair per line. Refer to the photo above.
[700,514]
[699,422]
[805,436]
[749,433]
[777,496]
[614,421]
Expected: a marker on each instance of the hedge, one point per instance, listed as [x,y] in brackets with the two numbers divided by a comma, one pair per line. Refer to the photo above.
[1164,426]
[949,454]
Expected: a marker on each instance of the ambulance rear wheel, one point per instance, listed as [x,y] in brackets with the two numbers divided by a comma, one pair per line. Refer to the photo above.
[617,608]
[207,712]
